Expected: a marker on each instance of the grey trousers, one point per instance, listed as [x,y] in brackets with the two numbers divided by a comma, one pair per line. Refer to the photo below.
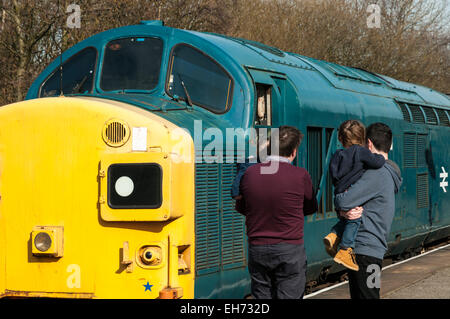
[277,271]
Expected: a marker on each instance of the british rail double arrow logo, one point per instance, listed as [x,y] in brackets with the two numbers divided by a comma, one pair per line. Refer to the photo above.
[444,176]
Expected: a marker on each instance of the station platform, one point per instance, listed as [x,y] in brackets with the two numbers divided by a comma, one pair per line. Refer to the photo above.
[426,276]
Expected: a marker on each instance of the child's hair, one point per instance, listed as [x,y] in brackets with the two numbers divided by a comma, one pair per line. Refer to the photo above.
[352,132]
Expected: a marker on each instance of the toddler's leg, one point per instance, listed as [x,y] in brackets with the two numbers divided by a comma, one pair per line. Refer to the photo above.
[331,241]
[350,230]
[339,227]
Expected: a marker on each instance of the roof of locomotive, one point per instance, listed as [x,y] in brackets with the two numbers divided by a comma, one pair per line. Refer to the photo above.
[251,53]
[238,53]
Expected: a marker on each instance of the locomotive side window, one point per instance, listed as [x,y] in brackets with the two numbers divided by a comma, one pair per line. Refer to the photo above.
[263,114]
[77,75]
[319,141]
[131,64]
[315,160]
[198,79]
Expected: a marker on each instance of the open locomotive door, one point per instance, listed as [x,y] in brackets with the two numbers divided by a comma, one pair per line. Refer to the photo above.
[269,106]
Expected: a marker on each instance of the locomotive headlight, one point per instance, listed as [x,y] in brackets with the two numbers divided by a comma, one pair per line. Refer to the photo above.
[42,241]
[47,241]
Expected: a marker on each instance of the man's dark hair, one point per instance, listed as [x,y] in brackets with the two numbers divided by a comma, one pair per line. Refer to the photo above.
[381,136]
[289,138]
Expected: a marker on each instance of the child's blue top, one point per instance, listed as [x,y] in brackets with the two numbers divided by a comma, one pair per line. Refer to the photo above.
[242,167]
[348,165]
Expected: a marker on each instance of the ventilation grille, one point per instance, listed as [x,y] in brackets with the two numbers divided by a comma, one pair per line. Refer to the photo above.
[416,114]
[116,133]
[421,149]
[422,190]
[207,218]
[409,150]
[431,116]
[443,119]
[405,112]
[424,114]
[220,230]
[233,224]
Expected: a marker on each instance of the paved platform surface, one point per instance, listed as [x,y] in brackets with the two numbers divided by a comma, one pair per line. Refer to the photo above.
[426,276]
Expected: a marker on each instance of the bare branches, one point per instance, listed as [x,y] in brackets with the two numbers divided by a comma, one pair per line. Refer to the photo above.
[411,44]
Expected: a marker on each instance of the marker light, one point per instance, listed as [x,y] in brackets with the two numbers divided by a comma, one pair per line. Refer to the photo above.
[124,186]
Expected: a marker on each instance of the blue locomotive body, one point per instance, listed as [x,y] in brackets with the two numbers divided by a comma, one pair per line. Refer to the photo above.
[315,96]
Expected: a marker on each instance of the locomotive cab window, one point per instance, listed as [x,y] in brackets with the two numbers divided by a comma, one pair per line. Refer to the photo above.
[131,64]
[198,79]
[77,75]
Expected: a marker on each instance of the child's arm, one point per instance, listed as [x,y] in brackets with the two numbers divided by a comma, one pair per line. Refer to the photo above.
[235,192]
[333,168]
[371,160]
[310,205]
[237,181]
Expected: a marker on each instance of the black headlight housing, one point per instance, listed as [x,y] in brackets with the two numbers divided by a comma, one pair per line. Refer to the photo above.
[147,185]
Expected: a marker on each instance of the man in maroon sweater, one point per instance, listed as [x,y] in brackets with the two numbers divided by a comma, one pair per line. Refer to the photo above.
[274,206]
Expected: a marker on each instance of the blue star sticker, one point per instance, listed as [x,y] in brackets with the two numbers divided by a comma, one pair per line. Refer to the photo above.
[148,286]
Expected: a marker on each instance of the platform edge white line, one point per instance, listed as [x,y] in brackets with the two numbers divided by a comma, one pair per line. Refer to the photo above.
[387,267]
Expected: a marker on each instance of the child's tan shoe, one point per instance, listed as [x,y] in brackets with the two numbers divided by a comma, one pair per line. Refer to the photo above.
[331,242]
[346,257]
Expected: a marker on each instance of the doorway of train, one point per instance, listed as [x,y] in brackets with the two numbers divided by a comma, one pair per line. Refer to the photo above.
[276,104]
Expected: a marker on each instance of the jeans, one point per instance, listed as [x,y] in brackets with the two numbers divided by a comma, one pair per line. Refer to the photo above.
[277,271]
[365,283]
[347,229]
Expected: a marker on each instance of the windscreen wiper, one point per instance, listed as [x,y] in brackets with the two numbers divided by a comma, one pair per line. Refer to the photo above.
[188,97]
[77,88]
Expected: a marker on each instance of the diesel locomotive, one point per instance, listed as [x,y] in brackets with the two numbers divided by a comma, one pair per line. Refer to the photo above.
[106,189]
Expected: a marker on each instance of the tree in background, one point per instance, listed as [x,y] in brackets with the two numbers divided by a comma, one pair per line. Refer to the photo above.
[411,43]
[33,33]
[24,34]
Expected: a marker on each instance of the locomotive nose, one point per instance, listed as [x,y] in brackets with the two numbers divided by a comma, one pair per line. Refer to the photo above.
[78,178]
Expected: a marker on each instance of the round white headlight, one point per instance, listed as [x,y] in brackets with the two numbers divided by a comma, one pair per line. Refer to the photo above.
[124,186]
[42,241]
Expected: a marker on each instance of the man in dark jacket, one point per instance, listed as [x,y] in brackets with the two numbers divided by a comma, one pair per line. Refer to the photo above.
[375,192]
[274,206]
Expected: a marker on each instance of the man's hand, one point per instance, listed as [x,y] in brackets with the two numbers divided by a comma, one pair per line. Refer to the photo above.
[351,214]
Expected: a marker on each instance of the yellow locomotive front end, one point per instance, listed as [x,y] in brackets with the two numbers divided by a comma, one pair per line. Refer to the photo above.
[97,201]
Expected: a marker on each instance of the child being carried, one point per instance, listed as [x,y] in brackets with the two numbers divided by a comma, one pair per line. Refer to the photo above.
[346,167]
